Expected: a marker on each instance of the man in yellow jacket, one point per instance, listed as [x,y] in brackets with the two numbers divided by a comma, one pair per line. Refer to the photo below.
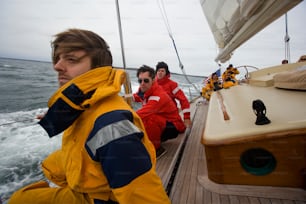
[229,77]
[106,156]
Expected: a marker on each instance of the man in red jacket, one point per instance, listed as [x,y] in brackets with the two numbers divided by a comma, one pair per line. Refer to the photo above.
[173,90]
[158,113]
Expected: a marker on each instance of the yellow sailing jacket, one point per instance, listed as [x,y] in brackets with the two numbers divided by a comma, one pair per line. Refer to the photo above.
[105,151]
[229,77]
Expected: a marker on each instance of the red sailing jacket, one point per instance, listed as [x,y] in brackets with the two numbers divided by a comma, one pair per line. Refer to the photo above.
[157,102]
[173,90]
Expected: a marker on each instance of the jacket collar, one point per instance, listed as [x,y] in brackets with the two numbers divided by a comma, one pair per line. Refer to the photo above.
[149,92]
[164,80]
[70,100]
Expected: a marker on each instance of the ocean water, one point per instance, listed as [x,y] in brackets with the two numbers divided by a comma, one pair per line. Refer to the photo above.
[25,87]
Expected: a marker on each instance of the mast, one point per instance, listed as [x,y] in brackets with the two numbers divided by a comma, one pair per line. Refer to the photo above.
[120,34]
[287,39]
[127,82]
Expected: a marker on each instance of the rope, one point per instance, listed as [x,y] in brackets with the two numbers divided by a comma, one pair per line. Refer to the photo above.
[165,18]
[223,108]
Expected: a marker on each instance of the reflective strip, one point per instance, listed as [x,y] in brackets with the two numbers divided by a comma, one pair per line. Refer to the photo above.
[174,91]
[154,98]
[187,110]
[111,132]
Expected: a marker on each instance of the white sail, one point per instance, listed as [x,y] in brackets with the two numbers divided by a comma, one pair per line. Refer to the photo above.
[235,21]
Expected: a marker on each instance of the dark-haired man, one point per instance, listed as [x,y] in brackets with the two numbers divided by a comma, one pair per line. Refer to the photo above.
[158,112]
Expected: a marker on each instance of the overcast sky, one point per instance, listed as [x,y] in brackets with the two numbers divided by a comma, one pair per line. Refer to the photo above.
[27,27]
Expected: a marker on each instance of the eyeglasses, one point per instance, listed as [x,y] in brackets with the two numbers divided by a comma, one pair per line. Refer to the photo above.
[144,80]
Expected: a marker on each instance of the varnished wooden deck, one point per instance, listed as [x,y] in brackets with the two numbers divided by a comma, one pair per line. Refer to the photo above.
[191,185]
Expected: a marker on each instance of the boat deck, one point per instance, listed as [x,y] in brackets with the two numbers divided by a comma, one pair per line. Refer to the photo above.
[191,185]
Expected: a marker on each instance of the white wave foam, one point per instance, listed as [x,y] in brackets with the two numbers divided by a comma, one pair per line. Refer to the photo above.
[24,145]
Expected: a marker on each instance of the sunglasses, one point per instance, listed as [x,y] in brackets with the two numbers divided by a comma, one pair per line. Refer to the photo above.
[144,80]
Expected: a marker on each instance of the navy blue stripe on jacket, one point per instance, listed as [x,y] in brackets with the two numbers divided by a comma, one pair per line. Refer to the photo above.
[116,143]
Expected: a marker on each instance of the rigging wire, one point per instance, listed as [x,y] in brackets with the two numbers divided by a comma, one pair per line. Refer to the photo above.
[166,21]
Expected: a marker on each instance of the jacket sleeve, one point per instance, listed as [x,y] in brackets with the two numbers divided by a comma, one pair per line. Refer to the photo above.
[116,143]
[152,107]
[137,97]
[181,97]
[130,173]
